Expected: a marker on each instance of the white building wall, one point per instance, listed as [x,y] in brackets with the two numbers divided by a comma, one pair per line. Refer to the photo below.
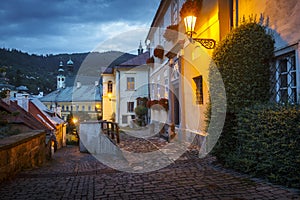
[141,90]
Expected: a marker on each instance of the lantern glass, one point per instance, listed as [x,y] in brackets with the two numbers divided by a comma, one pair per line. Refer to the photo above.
[190,22]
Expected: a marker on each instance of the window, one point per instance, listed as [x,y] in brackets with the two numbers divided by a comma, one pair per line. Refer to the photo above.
[130,106]
[199,89]
[124,119]
[285,87]
[89,108]
[166,88]
[130,83]
[174,14]
[62,107]
[153,89]
[83,108]
[110,87]
[158,90]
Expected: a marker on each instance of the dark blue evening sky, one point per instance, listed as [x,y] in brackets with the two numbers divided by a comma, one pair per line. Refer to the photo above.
[69,26]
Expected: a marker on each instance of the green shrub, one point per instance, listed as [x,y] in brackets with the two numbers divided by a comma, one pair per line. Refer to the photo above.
[242,59]
[268,143]
[140,111]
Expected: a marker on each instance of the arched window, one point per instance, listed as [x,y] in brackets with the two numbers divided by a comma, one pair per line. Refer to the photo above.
[109,86]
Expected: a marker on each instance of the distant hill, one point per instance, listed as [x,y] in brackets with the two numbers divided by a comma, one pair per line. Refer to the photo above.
[38,72]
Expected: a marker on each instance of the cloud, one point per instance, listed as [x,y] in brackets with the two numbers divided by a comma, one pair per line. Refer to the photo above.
[70,25]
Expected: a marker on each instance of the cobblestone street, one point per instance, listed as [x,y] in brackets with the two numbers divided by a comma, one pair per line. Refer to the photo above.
[74,175]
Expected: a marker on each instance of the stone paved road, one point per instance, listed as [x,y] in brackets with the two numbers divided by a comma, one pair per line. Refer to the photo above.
[75,175]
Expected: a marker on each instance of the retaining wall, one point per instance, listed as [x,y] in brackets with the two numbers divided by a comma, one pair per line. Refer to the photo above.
[22,151]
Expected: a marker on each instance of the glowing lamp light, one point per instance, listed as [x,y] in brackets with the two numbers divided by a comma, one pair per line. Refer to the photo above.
[190,23]
[75,120]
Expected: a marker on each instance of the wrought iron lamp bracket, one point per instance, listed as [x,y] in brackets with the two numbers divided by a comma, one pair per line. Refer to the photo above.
[207,43]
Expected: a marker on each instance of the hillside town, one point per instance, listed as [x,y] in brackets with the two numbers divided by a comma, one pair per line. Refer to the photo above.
[206,108]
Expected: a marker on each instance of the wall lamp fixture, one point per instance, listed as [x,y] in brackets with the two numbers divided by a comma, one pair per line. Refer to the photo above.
[190,22]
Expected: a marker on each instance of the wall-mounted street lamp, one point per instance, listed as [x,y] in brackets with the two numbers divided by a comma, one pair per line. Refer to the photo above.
[74,120]
[190,22]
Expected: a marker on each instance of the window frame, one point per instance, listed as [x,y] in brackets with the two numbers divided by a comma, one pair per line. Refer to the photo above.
[130,83]
[130,106]
[199,94]
[286,80]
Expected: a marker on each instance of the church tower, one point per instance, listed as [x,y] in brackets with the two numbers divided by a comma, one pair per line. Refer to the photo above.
[70,67]
[61,78]
[140,49]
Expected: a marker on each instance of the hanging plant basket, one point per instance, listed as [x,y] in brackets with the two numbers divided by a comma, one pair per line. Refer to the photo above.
[190,7]
[153,104]
[159,52]
[171,32]
[150,60]
[164,103]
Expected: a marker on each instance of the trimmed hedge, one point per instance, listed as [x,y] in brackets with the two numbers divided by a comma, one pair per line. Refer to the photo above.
[243,59]
[268,143]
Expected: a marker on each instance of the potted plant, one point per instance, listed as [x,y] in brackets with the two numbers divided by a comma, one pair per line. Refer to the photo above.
[159,51]
[153,104]
[150,60]
[164,103]
[190,7]
[171,32]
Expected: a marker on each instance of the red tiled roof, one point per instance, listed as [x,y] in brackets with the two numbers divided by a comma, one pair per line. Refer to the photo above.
[22,116]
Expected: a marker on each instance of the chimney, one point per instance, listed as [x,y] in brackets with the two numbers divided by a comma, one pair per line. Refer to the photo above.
[23,101]
[78,84]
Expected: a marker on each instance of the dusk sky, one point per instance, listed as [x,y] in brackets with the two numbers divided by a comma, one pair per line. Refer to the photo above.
[75,26]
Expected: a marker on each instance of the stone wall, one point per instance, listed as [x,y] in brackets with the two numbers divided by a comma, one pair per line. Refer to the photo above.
[22,151]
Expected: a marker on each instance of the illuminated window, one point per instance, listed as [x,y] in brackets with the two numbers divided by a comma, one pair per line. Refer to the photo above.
[130,83]
[110,87]
[199,89]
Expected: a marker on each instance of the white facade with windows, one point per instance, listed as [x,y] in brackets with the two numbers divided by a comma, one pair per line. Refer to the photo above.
[122,86]
[131,84]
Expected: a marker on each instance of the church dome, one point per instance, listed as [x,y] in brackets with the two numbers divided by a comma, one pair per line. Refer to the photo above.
[70,62]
